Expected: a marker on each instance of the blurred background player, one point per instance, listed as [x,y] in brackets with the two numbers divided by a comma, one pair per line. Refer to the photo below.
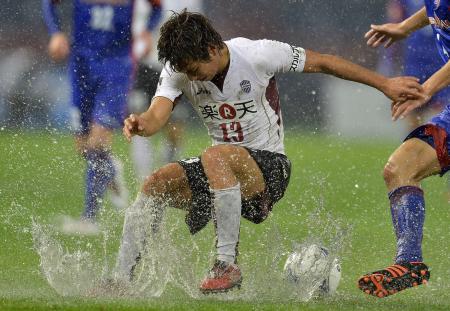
[424,152]
[416,56]
[143,150]
[100,69]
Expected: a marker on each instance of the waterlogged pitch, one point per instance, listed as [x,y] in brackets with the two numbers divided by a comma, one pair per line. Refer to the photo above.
[336,198]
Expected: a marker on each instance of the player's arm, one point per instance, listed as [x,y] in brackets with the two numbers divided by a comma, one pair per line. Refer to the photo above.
[439,80]
[58,46]
[396,89]
[389,33]
[170,86]
[149,122]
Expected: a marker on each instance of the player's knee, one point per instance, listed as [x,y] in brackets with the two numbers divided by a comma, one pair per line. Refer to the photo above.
[390,172]
[215,156]
[158,183]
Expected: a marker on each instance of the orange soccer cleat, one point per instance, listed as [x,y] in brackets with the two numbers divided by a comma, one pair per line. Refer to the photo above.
[394,278]
[221,278]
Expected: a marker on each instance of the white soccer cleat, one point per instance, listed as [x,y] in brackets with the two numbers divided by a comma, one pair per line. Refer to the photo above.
[79,226]
[118,192]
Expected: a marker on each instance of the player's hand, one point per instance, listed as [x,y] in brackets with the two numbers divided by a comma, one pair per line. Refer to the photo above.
[401,88]
[143,45]
[385,34]
[58,47]
[401,109]
[133,125]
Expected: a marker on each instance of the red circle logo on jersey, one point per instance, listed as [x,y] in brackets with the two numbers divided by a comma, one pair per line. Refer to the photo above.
[227,111]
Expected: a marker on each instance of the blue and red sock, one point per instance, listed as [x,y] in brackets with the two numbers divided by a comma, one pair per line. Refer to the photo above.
[408,215]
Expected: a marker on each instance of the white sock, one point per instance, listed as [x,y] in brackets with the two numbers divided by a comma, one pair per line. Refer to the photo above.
[227,208]
[142,154]
[144,214]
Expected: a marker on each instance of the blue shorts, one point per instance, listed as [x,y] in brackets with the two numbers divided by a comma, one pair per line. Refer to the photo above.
[436,132]
[99,91]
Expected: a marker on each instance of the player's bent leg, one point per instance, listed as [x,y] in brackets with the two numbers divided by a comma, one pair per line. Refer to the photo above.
[230,170]
[276,170]
[226,165]
[144,216]
[413,161]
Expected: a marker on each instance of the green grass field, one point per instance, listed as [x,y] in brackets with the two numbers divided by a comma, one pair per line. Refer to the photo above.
[336,189]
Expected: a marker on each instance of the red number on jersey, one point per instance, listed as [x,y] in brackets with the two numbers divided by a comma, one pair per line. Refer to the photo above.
[234,128]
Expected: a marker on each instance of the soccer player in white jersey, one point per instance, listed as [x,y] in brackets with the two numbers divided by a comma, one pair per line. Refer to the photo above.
[245,172]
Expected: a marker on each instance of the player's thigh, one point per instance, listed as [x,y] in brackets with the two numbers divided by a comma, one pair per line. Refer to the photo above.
[414,159]
[170,184]
[233,162]
[248,173]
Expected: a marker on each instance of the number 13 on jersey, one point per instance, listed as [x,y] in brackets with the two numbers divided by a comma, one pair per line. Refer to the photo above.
[232,132]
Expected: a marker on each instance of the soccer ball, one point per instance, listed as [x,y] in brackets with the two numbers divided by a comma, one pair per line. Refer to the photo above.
[312,269]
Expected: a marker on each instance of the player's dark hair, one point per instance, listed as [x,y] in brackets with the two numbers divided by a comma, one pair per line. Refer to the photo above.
[186,37]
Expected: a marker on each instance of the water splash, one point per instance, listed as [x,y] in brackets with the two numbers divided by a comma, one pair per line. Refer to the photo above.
[177,259]
[70,274]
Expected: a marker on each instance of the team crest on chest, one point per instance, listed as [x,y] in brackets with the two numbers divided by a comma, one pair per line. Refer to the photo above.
[246,86]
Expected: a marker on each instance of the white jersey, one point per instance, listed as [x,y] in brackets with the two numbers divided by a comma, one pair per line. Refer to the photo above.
[247,111]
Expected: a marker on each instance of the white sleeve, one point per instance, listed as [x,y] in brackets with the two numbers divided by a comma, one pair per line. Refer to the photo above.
[274,56]
[170,84]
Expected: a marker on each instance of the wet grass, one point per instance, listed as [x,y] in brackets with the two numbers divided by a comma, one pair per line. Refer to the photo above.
[42,177]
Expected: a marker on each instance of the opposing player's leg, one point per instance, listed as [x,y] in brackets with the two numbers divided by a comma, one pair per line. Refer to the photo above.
[423,154]
[166,186]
